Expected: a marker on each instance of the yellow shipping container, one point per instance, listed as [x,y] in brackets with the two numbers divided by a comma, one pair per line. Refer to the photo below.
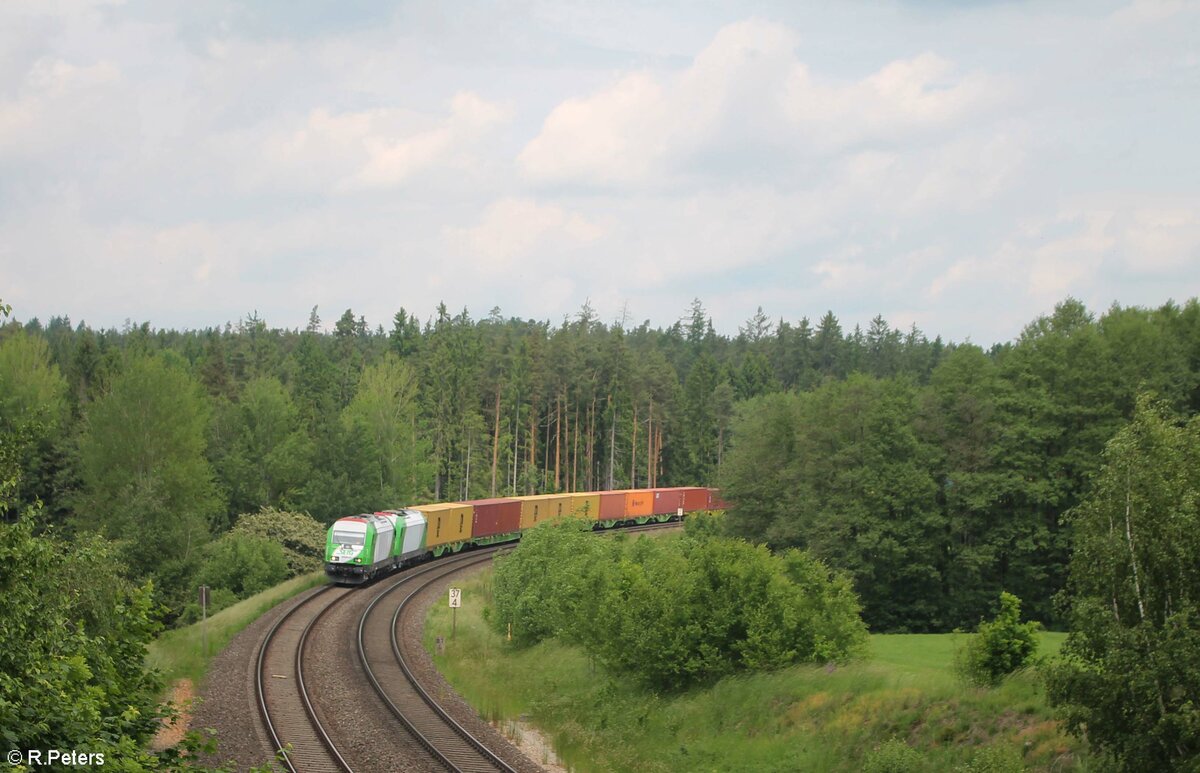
[448,522]
[586,506]
[541,508]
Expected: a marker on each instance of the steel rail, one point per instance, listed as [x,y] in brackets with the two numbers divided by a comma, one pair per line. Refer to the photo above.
[322,755]
[428,731]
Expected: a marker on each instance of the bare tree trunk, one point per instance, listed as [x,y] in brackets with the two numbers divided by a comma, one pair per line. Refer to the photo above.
[591,446]
[546,457]
[531,466]
[467,479]
[496,439]
[650,446]
[633,450]
[612,445]
[575,454]
[557,441]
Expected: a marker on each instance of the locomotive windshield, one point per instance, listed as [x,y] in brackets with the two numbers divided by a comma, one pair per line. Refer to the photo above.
[347,538]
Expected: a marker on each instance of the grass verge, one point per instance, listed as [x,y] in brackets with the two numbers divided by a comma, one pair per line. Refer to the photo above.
[184,653]
[809,718]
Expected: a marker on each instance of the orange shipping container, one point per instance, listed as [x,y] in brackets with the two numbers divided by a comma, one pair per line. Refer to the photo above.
[639,503]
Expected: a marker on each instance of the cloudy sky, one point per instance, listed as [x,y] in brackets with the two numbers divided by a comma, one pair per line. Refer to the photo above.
[958,165]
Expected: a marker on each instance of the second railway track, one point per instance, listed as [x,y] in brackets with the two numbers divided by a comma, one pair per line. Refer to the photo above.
[385,659]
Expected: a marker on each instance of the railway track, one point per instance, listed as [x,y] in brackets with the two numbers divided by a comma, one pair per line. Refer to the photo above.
[385,658]
[286,709]
[283,700]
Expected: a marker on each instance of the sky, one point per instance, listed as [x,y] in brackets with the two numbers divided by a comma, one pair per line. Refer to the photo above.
[960,166]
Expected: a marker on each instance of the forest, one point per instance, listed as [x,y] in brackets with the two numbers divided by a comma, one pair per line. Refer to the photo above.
[937,474]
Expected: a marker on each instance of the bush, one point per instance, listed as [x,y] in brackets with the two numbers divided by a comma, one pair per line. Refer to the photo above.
[999,648]
[894,756]
[673,613]
[301,536]
[242,565]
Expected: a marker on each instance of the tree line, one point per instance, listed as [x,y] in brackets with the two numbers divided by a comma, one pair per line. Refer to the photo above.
[939,493]
[935,473]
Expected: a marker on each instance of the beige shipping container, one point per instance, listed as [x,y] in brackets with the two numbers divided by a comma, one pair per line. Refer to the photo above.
[586,505]
[448,522]
[541,508]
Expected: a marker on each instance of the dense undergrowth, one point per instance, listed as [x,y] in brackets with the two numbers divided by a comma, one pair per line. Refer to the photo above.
[843,717]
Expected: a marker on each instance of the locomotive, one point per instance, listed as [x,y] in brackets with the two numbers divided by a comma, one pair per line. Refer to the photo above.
[360,548]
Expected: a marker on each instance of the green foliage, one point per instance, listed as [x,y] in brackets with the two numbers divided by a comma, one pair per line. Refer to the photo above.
[1130,676]
[704,525]
[672,613]
[260,450]
[999,647]
[71,673]
[543,588]
[301,536]
[33,412]
[145,479]
[893,756]
[242,564]
[841,472]
[385,410]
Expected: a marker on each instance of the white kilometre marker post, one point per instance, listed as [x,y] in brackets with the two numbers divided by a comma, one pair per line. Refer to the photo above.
[455,603]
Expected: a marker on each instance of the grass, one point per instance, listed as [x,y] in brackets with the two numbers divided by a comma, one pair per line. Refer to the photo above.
[804,718]
[184,653]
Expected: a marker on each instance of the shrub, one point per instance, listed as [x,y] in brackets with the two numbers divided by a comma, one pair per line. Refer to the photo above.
[301,536]
[1000,646]
[242,565]
[673,613]
[893,756]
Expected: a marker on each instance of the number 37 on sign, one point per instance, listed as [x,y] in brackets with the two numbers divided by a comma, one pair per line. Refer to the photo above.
[455,598]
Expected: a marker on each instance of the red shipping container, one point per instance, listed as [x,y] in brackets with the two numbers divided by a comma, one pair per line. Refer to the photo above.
[612,505]
[496,516]
[695,499]
[667,501]
[714,500]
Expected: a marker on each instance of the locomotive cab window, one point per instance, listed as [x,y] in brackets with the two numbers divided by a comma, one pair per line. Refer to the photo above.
[348,538]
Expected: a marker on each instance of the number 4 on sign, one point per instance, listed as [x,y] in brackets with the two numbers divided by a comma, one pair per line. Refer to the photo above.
[455,603]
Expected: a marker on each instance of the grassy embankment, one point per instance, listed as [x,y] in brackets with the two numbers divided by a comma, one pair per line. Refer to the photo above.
[181,653]
[808,718]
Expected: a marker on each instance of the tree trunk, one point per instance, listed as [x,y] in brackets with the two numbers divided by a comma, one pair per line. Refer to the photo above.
[557,440]
[496,439]
[612,444]
[650,446]
[633,450]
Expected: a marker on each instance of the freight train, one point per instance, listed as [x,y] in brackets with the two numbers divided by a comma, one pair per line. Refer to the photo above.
[362,547]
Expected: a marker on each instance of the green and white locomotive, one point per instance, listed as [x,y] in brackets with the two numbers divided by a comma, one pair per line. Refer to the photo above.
[362,547]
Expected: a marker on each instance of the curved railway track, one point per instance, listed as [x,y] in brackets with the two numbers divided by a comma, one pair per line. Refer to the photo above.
[386,662]
[286,709]
[283,700]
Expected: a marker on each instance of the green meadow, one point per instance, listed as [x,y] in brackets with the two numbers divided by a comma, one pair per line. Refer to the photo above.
[901,696]
[184,653]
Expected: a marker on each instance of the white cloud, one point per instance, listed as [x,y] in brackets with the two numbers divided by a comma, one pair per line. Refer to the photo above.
[1161,241]
[747,88]
[512,228]
[377,149]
